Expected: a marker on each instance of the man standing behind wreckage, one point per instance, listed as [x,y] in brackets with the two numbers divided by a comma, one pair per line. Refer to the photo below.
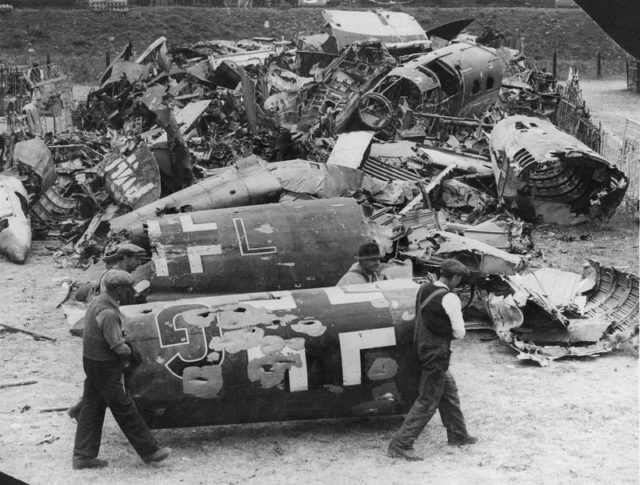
[367,269]
[105,354]
[438,321]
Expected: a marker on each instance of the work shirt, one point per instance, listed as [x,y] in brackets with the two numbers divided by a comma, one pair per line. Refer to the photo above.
[453,308]
[356,275]
[102,330]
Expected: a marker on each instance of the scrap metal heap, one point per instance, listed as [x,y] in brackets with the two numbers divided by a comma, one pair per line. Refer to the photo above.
[433,152]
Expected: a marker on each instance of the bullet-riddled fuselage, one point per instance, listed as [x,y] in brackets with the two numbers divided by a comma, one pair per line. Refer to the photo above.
[304,354]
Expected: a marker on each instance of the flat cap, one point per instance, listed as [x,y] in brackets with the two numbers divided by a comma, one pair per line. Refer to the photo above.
[368,250]
[129,249]
[116,277]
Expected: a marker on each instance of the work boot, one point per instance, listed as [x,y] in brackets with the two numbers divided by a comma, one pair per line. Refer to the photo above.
[467,440]
[157,456]
[82,462]
[409,454]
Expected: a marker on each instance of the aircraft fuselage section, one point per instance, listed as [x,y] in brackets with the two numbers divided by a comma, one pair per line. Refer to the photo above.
[302,354]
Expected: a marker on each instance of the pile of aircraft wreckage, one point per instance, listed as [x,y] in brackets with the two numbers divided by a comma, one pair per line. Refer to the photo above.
[254,170]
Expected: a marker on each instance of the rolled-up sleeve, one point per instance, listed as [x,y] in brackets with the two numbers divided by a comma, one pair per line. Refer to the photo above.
[109,323]
[453,308]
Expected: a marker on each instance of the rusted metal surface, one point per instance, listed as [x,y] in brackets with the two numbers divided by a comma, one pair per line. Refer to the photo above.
[305,244]
[551,315]
[15,230]
[552,176]
[246,183]
[304,354]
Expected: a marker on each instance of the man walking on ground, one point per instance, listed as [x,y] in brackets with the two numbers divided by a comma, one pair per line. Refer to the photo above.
[367,269]
[438,321]
[126,257]
[104,357]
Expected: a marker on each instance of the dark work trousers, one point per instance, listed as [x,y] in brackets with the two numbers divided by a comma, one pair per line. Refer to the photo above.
[438,391]
[104,387]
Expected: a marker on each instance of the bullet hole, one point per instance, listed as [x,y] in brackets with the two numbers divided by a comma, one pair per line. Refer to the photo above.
[232,192]
[147,310]
[275,322]
[240,310]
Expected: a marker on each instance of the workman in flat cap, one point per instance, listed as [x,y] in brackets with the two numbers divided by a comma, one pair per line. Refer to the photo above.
[438,321]
[105,355]
[125,257]
[367,269]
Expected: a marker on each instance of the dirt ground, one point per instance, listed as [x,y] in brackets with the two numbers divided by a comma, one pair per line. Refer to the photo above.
[574,422]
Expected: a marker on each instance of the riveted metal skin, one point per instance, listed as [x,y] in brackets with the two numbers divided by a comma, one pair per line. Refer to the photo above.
[302,354]
[294,245]
[551,175]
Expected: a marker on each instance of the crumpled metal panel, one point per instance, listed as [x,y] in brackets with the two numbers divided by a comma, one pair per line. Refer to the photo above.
[342,83]
[132,180]
[480,258]
[552,175]
[134,72]
[37,156]
[597,319]
[351,149]
[615,299]
[15,230]
[487,259]
[302,179]
[351,26]
[283,80]
[385,171]
[556,286]
[52,207]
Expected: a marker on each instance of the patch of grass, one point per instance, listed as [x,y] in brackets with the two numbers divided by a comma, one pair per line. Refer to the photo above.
[571,33]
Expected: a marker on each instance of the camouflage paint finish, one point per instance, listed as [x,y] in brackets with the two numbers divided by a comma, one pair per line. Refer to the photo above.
[302,354]
[302,244]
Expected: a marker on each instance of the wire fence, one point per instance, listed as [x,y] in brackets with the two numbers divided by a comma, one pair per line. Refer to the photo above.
[633,75]
[572,117]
